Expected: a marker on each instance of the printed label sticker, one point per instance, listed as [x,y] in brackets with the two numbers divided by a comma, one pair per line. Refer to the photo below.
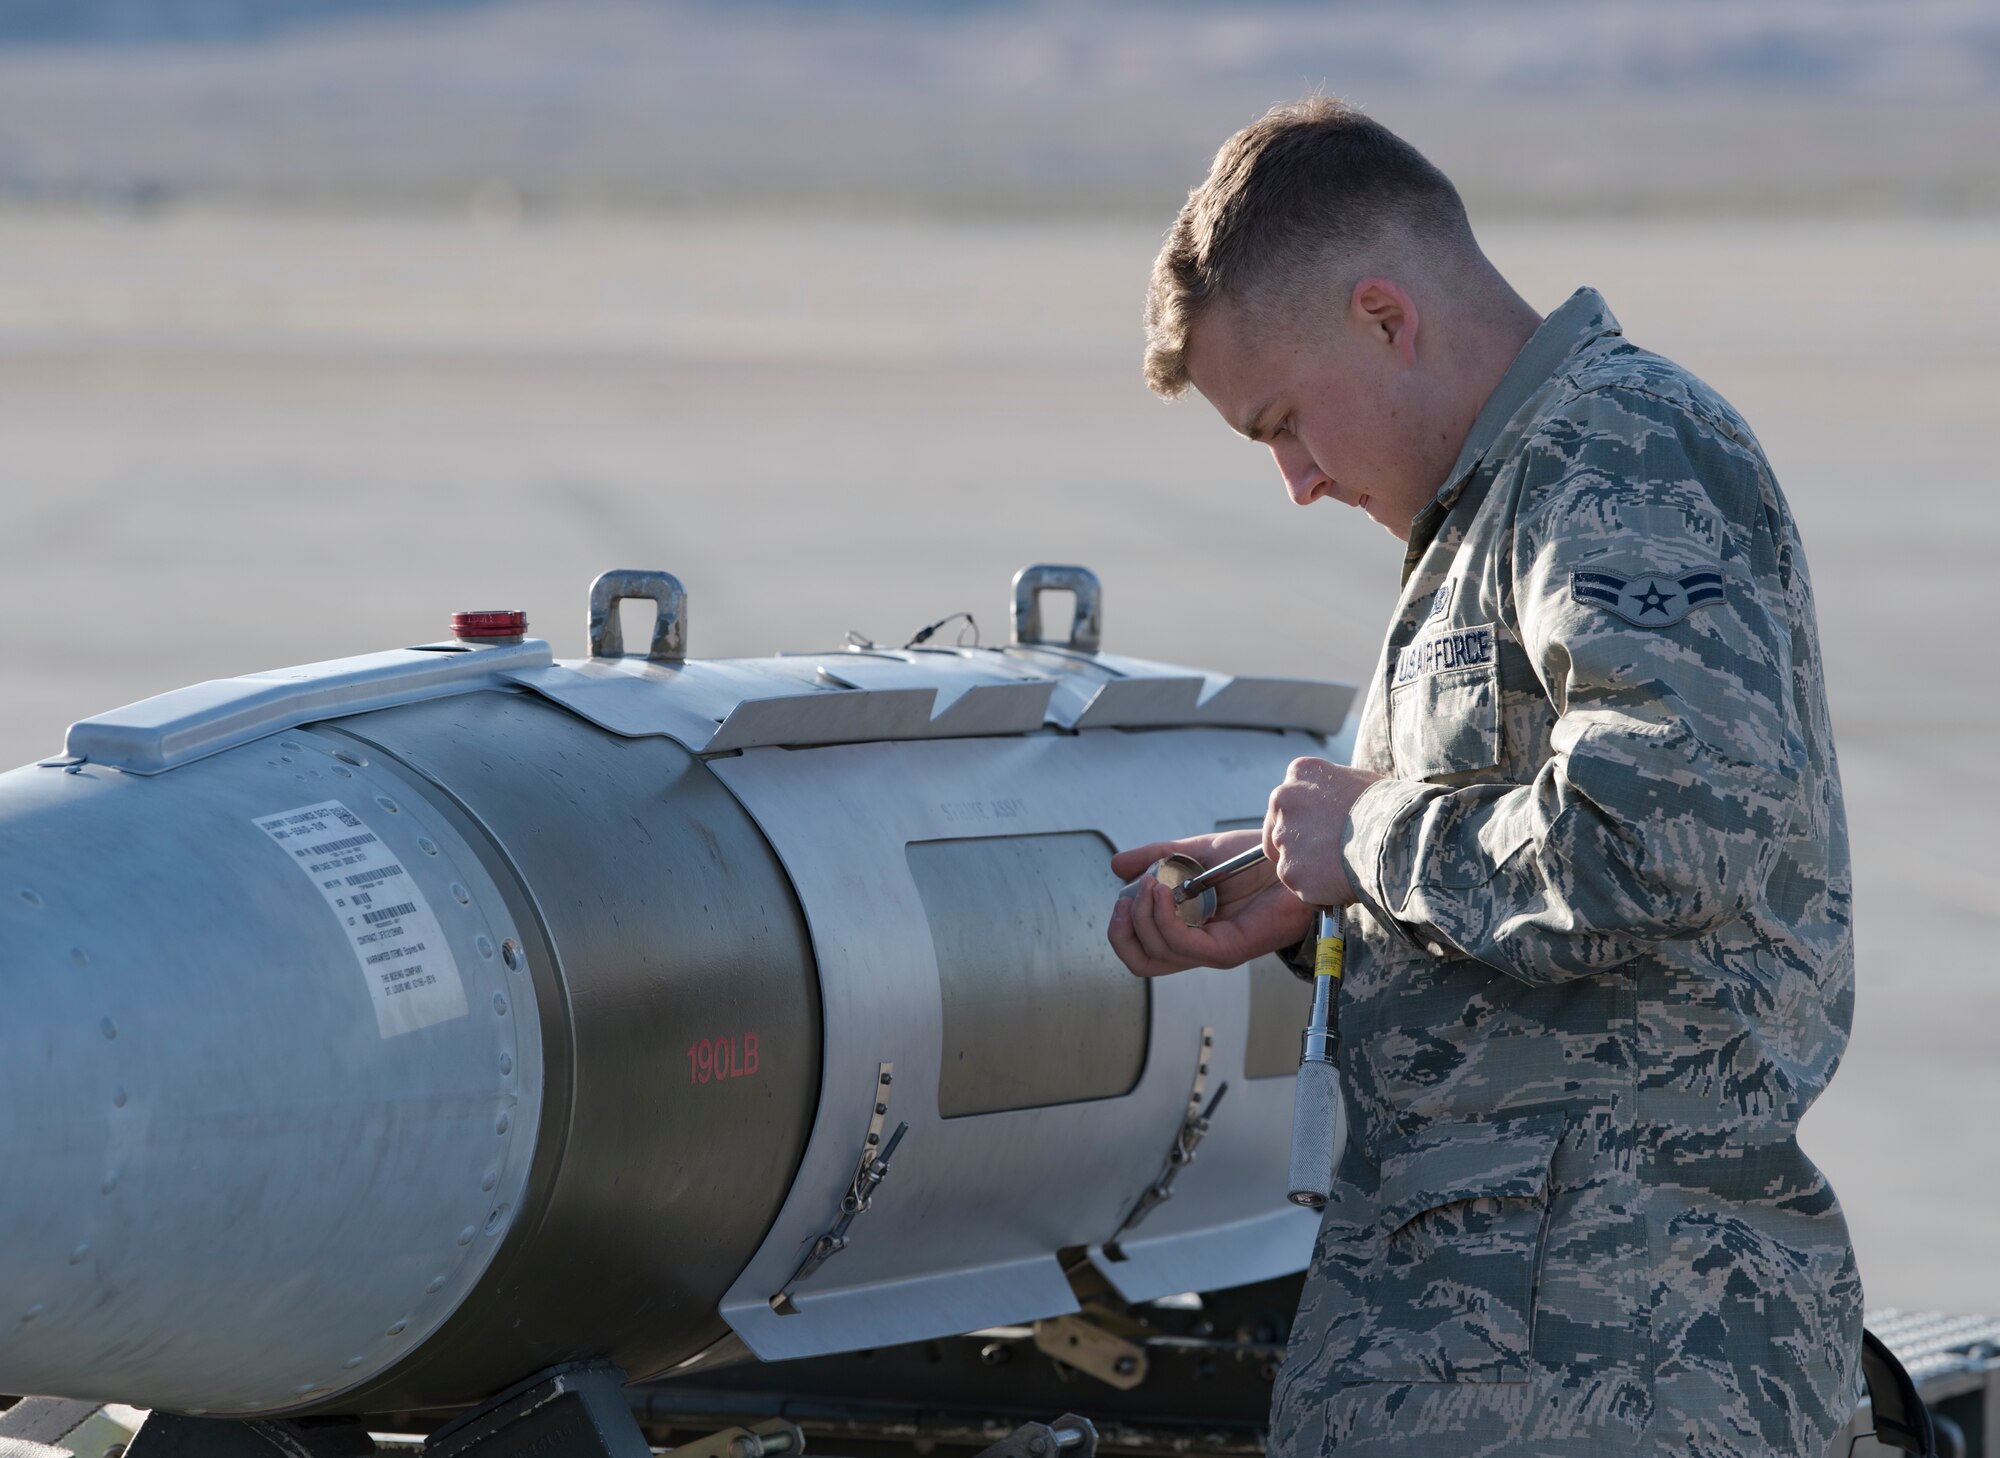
[412,977]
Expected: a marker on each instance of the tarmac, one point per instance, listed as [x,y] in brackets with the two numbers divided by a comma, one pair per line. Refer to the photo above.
[233,443]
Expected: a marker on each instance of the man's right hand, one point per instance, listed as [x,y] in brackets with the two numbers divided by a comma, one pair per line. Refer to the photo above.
[1255,913]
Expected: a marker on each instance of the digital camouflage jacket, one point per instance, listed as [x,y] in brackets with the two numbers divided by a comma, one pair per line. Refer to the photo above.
[1602,958]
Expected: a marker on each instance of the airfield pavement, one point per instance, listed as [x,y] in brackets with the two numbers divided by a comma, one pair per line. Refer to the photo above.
[231,443]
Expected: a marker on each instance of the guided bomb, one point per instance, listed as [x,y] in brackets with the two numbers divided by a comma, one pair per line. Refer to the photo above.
[385,1031]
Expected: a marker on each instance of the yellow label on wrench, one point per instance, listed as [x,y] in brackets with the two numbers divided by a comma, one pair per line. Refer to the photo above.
[1329,957]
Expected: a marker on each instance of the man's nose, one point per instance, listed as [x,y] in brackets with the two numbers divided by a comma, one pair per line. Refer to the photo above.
[1304,480]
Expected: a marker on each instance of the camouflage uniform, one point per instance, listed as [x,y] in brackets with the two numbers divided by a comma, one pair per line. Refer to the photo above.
[1601,961]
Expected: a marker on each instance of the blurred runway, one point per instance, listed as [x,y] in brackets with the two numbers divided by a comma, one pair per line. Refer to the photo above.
[229,444]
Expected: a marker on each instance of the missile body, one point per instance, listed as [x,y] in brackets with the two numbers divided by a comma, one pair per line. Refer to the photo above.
[381,1032]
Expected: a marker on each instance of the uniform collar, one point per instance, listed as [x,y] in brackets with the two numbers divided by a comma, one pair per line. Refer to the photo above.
[1583,319]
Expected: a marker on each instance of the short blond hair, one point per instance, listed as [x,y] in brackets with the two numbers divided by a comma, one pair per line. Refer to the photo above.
[1308,181]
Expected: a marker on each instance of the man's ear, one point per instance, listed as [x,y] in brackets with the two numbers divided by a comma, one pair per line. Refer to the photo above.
[1384,312]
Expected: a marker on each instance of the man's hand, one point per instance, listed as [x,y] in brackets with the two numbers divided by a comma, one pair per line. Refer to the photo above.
[1306,825]
[1254,914]
[1264,909]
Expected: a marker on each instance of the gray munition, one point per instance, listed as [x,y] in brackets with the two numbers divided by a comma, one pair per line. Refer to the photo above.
[381,1032]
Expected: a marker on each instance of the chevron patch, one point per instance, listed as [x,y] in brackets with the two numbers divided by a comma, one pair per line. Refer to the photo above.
[1653,601]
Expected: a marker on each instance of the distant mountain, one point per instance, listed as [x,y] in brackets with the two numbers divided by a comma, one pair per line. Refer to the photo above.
[140,22]
[1572,105]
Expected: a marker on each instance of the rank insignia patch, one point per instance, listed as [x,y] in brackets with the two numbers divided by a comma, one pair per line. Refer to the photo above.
[1649,602]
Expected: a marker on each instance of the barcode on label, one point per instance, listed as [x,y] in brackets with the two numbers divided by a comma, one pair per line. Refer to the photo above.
[411,977]
[340,845]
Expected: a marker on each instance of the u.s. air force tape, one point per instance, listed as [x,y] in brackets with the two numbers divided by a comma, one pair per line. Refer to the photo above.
[1649,601]
[1450,648]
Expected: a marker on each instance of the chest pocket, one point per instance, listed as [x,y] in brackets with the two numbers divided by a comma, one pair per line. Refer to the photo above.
[1444,705]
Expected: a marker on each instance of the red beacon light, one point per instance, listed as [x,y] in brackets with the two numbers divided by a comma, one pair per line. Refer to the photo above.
[505,626]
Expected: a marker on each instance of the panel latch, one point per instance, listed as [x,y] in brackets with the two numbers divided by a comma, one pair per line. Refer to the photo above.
[873,1166]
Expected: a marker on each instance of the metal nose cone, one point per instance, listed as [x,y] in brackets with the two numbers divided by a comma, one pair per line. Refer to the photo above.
[230,1185]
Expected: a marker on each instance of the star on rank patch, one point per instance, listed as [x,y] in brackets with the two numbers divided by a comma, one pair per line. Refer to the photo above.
[1649,601]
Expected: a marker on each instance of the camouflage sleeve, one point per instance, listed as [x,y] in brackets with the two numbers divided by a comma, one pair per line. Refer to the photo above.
[1646,607]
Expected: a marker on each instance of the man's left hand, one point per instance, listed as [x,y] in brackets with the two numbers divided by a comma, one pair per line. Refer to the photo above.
[1306,826]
